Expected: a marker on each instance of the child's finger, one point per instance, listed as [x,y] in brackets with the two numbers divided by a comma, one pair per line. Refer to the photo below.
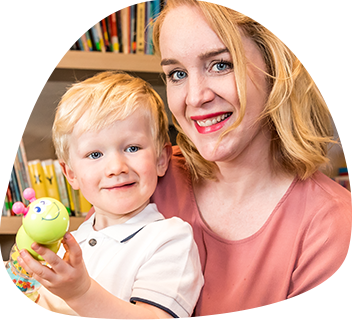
[73,249]
[33,267]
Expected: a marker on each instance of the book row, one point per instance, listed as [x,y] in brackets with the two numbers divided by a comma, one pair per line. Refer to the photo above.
[88,25]
[47,180]
[328,24]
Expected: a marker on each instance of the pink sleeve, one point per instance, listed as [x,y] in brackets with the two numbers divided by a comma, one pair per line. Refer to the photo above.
[322,253]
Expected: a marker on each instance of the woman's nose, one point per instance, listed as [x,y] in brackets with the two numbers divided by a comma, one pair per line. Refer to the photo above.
[199,91]
[116,165]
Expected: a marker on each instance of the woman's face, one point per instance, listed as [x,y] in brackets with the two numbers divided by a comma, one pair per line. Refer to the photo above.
[201,87]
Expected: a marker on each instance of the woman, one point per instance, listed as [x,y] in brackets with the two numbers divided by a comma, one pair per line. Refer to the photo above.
[253,132]
[274,234]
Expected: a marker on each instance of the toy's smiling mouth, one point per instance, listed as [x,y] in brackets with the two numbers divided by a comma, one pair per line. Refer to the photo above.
[58,213]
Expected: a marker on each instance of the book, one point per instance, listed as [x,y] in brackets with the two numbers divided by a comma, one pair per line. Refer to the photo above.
[339,33]
[58,24]
[18,150]
[106,37]
[61,183]
[141,23]
[37,178]
[50,179]
[84,204]
[16,166]
[125,29]
[98,26]
[346,50]
[24,164]
[97,37]
[114,42]
[79,5]
[133,28]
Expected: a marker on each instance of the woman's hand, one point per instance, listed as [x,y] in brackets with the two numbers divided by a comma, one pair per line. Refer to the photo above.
[13,310]
[67,277]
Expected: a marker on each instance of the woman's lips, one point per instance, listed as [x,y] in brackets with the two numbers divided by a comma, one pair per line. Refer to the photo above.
[211,122]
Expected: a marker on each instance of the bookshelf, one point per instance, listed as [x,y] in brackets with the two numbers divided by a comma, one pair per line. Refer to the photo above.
[10,225]
[60,68]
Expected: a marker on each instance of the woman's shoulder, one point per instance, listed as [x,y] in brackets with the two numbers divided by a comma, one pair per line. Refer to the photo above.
[174,192]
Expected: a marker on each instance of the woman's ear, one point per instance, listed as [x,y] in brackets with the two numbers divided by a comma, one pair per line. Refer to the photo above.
[163,159]
[70,175]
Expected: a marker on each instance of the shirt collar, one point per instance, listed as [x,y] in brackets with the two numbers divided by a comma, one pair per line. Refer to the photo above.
[122,231]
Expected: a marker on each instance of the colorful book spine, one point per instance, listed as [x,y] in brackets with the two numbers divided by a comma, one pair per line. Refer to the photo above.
[133,29]
[125,29]
[62,186]
[24,165]
[84,23]
[97,37]
[50,180]
[106,38]
[113,33]
[141,23]
[37,178]
[58,24]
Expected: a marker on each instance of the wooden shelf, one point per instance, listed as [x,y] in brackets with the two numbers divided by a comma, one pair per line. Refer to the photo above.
[110,61]
[10,225]
[82,60]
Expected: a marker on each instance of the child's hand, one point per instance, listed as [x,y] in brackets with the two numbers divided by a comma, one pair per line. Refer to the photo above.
[67,277]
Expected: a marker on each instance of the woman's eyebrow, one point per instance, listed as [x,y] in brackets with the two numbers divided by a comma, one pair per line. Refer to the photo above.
[202,56]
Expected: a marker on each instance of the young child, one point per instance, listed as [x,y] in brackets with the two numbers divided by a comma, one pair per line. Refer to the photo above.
[126,260]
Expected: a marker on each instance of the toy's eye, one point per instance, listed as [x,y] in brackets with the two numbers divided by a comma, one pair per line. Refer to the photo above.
[37,209]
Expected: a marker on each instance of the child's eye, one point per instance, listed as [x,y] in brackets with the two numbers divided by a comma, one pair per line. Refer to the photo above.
[132,149]
[95,155]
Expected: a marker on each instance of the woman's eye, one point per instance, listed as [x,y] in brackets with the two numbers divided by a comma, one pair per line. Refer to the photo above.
[95,155]
[177,75]
[132,149]
[221,66]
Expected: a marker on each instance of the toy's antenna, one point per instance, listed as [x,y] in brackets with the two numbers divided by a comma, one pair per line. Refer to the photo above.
[19,207]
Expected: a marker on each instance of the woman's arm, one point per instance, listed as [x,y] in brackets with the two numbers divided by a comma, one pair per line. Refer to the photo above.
[69,279]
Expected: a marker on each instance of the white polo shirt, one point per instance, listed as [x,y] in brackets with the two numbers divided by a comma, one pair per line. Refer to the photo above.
[148,258]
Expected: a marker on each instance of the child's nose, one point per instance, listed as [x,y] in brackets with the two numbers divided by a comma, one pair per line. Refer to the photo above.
[116,165]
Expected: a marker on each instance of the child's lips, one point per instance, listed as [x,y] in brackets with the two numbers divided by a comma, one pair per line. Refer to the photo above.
[120,186]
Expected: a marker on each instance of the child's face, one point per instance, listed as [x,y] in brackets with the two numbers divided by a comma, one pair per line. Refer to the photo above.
[116,168]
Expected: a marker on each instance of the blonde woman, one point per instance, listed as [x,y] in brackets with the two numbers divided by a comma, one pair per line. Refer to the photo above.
[253,133]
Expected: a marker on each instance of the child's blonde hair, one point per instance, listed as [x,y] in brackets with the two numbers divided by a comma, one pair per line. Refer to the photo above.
[295,111]
[103,99]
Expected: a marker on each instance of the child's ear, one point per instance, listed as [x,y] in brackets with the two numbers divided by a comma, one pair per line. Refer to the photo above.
[163,160]
[70,175]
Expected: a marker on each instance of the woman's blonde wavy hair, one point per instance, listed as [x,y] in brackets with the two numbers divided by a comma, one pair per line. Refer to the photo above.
[295,111]
[104,99]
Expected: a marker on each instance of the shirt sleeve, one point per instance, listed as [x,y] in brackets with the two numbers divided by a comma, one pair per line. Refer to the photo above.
[171,278]
[323,247]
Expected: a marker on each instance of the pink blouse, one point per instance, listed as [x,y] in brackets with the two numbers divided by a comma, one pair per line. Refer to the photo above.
[303,242]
